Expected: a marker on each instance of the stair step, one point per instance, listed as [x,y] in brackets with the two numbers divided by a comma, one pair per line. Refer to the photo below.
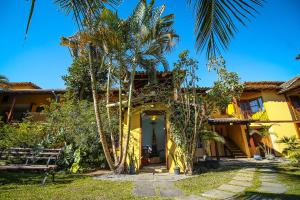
[240,156]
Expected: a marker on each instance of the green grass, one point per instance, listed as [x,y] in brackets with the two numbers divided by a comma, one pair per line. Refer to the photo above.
[206,181]
[287,175]
[27,186]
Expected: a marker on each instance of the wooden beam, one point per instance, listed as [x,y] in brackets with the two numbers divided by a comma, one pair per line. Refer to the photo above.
[10,114]
[116,104]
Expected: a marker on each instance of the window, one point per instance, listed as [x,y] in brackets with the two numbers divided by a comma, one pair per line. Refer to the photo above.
[295,100]
[256,105]
[252,106]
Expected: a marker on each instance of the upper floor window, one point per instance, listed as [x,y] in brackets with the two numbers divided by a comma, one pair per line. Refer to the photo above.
[295,100]
[252,106]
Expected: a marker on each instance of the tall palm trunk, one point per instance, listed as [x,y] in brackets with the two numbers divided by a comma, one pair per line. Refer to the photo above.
[120,117]
[112,138]
[97,113]
[129,114]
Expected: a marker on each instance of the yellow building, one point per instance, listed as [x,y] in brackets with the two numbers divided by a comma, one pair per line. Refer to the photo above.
[262,104]
[266,103]
[19,98]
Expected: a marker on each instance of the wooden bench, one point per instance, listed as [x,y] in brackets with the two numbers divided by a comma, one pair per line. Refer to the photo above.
[29,159]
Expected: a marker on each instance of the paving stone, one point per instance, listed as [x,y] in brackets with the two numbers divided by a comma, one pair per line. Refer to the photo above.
[232,188]
[171,192]
[190,197]
[268,184]
[249,169]
[243,178]
[144,189]
[267,170]
[273,190]
[240,183]
[218,194]
[167,189]
[268,176]
[244,174]
[267,179]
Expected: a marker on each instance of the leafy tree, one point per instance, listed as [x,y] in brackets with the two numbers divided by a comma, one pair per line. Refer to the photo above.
[192,106]
[72,125]
[78,79]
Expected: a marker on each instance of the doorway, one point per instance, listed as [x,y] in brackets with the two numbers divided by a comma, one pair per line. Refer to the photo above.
[153,139]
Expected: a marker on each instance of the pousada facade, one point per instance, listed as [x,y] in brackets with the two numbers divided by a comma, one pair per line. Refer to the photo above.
[274,104]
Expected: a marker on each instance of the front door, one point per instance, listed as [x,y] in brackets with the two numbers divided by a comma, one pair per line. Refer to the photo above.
[153,139]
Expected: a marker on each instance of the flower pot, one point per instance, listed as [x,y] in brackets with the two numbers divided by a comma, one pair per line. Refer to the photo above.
[131,169]
[176,170]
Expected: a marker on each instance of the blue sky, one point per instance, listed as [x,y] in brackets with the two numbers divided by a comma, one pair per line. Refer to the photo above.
[264,50]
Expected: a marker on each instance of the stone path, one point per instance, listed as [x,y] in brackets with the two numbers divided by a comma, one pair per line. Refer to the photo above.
[148,184]
[240,182]
[269,185]
[269,182]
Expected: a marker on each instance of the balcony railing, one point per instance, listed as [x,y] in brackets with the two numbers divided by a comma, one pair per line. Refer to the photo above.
[260,115]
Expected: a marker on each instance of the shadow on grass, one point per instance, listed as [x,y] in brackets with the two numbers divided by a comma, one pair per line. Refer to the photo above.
[259,195]
[23,178]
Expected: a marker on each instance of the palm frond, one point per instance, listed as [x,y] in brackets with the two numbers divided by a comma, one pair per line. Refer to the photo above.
[211,135]
[29,17]
[83,11]
[216,22]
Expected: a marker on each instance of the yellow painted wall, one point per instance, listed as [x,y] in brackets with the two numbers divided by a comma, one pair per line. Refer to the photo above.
[135,138]
[278,110]
[237,133]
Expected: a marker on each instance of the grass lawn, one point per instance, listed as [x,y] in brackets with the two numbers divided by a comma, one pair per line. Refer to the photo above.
[287,175]
[206,181]
[27,186]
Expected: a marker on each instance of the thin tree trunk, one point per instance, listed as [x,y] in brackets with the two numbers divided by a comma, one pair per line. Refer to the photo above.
[129,113]
[120,117]
[112,138]
[97,113]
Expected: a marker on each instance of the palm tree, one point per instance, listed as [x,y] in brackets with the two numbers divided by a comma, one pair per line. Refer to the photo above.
[216,22]
[3,79]
[141,40]
[150,36]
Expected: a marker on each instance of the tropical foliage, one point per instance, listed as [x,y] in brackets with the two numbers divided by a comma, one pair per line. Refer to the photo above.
[217,22]
[291,149]
[121,47]
[25,134]
[70,125]
[193,106]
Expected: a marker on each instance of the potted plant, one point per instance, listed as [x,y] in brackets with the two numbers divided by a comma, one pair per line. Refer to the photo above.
[176,168]
[131,164]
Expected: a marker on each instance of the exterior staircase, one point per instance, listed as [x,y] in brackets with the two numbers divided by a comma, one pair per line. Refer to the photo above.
[235,151]
[154,168]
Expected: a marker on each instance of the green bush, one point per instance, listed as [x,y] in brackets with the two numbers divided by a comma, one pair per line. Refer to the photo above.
[70,125]
[24,134]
